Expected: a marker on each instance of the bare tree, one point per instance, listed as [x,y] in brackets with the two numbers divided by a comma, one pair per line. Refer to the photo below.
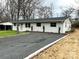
[44,12]
[77,9]
[26,7]
[29,7]
[14,9]
[67,12]
[22,8]
[2,13]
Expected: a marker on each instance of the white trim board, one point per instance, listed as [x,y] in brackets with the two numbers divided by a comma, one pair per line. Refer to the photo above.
[43,48]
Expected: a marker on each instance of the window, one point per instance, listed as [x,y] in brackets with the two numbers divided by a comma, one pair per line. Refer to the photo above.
[38,24]
[53,24]
[27,25]
[14,24]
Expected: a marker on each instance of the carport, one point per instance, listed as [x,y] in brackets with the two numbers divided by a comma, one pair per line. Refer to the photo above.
[6,26]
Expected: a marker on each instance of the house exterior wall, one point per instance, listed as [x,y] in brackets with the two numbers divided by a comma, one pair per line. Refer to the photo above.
[47,26]
[66,25]
[22,28]
[36,28]
[14,27]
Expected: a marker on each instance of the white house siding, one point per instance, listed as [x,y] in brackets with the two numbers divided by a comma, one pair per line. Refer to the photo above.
[14,27]
[22,28]
[48,28]
[36,28]
[66,25]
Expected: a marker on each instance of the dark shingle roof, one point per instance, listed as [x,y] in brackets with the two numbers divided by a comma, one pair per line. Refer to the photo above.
[57,19]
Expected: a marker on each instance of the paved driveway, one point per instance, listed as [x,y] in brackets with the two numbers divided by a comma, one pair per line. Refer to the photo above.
[21,46]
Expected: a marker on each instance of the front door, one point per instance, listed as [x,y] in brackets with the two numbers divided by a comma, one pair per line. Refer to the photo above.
[31,28]
[59,30]
[43,28]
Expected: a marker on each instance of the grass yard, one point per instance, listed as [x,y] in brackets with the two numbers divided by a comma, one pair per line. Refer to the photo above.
[68,48]
[10,33]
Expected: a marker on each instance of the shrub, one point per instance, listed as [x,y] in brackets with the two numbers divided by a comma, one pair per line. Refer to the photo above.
[72,30]
[75,24]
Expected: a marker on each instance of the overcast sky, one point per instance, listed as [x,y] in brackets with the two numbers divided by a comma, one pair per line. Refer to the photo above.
[58,3]
[61,4]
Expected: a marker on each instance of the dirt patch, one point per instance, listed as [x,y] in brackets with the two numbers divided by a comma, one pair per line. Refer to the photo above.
[64,49]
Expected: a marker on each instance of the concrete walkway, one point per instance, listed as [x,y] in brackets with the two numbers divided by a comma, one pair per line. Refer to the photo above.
[21,46]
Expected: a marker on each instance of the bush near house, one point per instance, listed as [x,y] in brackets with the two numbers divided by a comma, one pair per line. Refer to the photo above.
[72,30]
[75,24]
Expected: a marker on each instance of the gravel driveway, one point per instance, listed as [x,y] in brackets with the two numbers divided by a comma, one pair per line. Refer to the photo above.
[21,46]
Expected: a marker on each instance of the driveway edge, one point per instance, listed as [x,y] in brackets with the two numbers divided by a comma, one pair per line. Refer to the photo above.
[43,48]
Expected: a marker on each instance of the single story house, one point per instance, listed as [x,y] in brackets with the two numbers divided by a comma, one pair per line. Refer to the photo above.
[54,25]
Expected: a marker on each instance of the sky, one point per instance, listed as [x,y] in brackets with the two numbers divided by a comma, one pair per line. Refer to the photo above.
[59,5]
[63,3]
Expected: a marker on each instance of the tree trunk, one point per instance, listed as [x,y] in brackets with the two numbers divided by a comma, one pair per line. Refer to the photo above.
[18,17]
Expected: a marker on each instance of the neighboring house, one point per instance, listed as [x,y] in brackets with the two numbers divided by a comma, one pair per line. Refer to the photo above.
[55,25]
[6,26]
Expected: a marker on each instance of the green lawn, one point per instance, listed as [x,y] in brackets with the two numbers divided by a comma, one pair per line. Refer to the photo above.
[10,33]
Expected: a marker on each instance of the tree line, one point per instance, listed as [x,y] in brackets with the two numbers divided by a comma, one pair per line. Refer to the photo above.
[25,9]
